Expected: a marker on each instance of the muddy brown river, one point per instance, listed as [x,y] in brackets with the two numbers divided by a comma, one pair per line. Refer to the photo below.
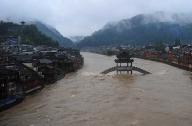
[86,98]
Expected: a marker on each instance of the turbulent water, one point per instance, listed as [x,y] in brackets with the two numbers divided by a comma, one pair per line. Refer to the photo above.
[86,98]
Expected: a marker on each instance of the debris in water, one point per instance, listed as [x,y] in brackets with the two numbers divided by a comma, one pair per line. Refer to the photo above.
[101,78]
[73,96]
[134,123]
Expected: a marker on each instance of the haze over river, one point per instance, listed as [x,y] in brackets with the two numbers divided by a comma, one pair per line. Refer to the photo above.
[86,98]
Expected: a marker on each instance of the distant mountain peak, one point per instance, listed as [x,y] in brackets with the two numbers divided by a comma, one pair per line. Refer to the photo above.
[143,19]
[53,33]
[179,18]
[76,39]
[142,29]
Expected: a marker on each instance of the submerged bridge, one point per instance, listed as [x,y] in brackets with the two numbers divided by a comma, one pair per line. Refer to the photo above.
[124,63]
[125,69]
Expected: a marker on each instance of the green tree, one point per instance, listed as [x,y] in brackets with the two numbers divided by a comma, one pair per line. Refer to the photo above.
[159,46]
[177,42]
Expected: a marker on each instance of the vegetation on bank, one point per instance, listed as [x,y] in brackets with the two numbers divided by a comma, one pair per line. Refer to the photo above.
[29,34]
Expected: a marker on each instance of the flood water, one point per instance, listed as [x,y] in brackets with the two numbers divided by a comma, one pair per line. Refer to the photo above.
[86,98]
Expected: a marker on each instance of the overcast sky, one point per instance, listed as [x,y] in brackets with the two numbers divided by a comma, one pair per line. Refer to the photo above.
[82,17]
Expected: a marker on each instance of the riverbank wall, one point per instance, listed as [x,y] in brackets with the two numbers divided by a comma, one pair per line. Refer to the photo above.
[180,66]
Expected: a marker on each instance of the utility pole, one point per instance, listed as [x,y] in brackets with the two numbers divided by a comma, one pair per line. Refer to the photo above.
[19,37]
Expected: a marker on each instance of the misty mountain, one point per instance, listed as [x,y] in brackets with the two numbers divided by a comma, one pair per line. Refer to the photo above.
[77,39]
[54,34]
[143,29]
[29,34]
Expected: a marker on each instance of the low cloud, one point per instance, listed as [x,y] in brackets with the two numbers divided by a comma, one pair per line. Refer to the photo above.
[82,17]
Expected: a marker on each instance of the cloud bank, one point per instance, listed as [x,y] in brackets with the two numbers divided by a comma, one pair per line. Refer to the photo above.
[82,17]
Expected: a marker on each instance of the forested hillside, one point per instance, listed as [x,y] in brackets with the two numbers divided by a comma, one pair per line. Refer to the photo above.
[29,34]
[143,29]
[53,34]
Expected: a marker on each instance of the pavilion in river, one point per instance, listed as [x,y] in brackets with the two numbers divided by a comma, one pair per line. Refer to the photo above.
[124,62]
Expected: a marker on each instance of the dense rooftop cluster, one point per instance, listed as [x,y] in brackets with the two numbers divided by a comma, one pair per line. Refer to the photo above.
[30,68]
